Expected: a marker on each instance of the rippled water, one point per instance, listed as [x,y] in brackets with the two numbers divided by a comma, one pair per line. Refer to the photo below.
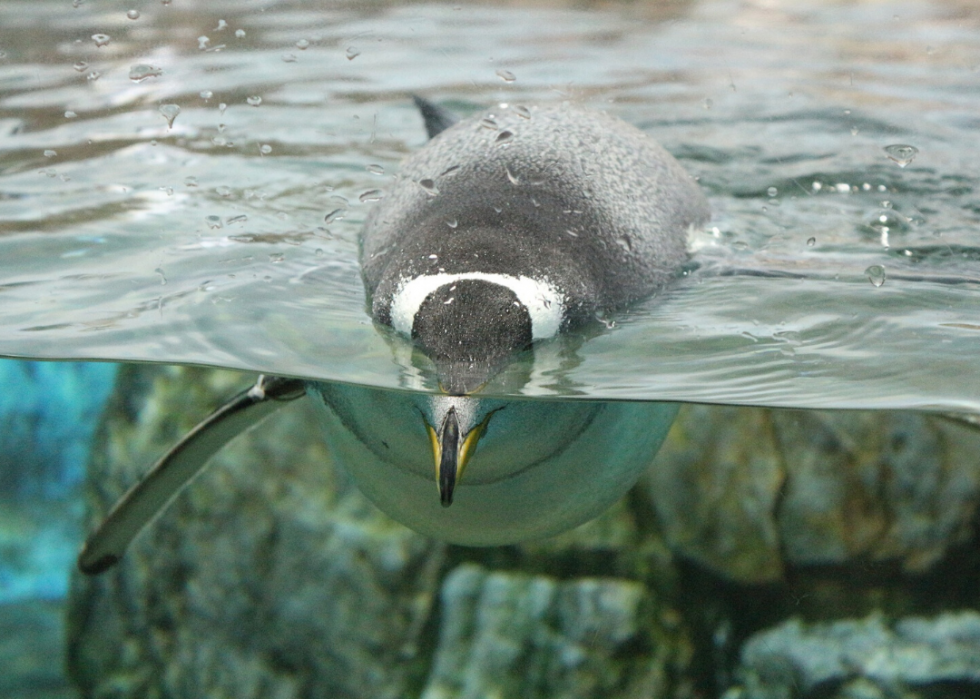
[831,275]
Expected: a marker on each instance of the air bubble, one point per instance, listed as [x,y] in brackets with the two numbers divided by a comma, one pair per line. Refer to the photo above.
[302,44]
[50,153]
[506,76]
[133,14]
[101,39]
[489,123]
[901,153]
[505,136]
[206,94]
[522,111]
[239,33]
[254,101]
[142,71]
[335,215]
[352,53]
[810,242]
[70,114]
[375,169]
[169,112]
[371,195]
[81,66]
[876,274]
[772,191]
[265,149]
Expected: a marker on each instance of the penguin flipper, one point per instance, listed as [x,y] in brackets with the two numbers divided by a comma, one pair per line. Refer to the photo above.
[177,468]
[437,119]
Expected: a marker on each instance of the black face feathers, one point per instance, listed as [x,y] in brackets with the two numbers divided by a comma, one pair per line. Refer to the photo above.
[468,327]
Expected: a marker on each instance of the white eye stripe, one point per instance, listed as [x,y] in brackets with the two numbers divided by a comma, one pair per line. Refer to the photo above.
[543,301]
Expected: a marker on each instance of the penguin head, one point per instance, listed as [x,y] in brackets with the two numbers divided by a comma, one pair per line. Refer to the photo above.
[470,328]
[472,324]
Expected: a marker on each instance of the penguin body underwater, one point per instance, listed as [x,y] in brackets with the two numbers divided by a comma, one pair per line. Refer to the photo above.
[506,229]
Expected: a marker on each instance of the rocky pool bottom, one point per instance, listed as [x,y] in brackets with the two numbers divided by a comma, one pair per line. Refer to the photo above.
[768,554]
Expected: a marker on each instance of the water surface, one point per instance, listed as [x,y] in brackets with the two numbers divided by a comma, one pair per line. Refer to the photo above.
[835,273]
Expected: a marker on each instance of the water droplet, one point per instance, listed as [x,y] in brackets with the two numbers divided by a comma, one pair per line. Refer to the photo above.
[318,252]
[434,258]
[489,123]
[772,191]
[81,66]
[429,187]
[206,94]
[265,149]
[571,233]
[335,215]
[810,242]
[514,179]
[222,25]
[100,39]
[133,14]
[625,243]
[522,111]
[277,257]
[142,71]
[449,170]
[50,153]
[505,136]
[190,181]
[506,76]
[375,169]
[371,195]
[203,42]
[816,186]
[222,107]
[289,58]
[708,103]
[70,114]
[223,191]
[239,33]
[213,222]
[352,53]
[169,112]
[302,44]
[876,274]
[901,153]
[452,223]
[254,101]
[93,76]
[240,218]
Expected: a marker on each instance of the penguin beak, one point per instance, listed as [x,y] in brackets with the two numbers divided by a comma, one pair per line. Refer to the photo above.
[452,450]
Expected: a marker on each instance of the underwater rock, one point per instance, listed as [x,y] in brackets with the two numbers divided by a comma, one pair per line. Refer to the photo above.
[508,634]
[747,492]
[870,658]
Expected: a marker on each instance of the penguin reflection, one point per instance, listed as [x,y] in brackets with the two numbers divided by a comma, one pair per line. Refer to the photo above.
[507,229]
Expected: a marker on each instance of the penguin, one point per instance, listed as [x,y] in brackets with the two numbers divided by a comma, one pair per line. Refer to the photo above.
[511,227]
[505,230]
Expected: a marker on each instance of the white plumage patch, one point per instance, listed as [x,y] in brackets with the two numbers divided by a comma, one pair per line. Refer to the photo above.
[543,301]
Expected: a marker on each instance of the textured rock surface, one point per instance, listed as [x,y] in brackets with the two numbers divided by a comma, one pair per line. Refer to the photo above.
[914,657]
[747,492]
[509,635]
